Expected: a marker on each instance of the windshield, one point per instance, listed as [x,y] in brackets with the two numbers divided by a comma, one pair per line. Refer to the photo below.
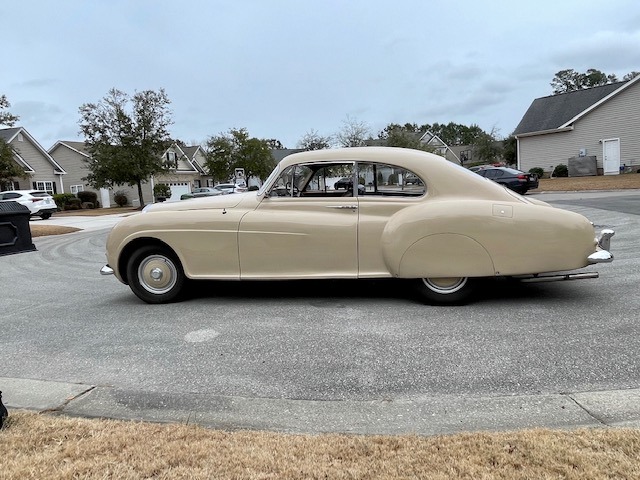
[269,179]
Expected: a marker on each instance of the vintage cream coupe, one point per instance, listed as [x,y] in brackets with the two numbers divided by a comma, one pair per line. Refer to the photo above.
[412,215]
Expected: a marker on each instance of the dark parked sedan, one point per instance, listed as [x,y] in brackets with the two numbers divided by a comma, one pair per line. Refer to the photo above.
[511,178]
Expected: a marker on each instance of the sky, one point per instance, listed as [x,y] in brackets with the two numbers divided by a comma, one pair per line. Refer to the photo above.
[283,68]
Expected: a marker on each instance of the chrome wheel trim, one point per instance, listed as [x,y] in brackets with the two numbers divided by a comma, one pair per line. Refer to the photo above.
[445,286]
[157,274]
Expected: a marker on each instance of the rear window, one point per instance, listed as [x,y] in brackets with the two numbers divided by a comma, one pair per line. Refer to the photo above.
[40,194]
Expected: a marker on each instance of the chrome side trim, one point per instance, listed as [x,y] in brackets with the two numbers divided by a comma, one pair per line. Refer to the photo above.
[106,270]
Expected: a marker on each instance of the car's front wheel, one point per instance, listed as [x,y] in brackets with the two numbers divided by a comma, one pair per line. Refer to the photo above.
[446,291]
[155,274]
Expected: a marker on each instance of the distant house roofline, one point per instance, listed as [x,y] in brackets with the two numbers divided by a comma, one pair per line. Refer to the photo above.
[9,134]
[603,100]
[553,113]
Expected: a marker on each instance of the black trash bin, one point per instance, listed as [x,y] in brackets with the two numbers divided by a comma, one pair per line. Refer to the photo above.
[15,233]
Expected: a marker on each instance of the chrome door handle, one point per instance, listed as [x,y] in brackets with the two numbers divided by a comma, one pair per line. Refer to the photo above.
[343,207]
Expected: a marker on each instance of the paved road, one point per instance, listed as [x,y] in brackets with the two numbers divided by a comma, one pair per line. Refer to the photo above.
[326,356]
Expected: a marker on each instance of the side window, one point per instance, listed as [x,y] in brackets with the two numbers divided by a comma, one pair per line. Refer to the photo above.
[389,180]
[291,181]
[335,180]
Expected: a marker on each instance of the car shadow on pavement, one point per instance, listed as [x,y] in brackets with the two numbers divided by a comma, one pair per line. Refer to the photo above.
[488,290]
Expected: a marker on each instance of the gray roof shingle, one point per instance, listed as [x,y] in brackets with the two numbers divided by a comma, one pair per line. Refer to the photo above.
[549,113]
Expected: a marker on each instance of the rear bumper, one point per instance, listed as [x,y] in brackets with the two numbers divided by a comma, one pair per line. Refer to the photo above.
[106,270]
[602,253]
[44,210]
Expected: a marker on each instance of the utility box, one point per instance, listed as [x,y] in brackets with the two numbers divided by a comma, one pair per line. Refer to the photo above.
[582,166]
[15,233]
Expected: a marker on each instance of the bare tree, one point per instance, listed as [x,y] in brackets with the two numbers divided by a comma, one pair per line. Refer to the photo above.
[312,140]
[353,133]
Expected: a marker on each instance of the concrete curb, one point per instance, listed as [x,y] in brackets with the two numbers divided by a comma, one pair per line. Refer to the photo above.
[419,415]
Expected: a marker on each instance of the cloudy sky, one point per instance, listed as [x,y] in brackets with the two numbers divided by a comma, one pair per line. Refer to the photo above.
[281,68]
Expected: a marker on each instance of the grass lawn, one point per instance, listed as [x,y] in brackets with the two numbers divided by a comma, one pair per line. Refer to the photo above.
[44,446]
[602,182]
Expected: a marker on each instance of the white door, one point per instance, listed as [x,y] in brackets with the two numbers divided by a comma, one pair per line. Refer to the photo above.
[105,200]
[611,156]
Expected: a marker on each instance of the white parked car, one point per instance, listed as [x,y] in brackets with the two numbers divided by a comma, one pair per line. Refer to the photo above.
[231,187]
[39,203]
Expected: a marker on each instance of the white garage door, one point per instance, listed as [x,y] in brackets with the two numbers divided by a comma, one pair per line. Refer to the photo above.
[177,189]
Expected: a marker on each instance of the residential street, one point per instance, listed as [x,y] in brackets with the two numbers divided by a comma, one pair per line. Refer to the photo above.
[328,356]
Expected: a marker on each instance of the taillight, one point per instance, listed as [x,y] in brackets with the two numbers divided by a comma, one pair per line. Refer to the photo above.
[522,177]
[37,199]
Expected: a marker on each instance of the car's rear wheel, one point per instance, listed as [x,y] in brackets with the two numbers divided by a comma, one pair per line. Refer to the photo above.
[446,291]
[155,274]
[45,216]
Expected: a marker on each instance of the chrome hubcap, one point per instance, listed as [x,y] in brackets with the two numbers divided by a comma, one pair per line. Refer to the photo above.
[445,286]
[157,274]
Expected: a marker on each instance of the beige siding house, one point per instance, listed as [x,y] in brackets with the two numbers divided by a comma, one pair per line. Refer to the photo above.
[184,170]
[73,157]
[44,173]
[600,125]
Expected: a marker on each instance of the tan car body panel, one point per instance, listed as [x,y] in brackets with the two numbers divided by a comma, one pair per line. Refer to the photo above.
[465,226]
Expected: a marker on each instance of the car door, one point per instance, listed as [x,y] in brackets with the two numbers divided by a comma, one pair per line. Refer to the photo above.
[302,227]
[384,191]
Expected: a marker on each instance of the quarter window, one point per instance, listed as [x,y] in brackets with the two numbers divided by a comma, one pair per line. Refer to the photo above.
[388,180]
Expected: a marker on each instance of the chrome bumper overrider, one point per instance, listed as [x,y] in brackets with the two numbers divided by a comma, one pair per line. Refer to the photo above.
[602,254]
[106,270]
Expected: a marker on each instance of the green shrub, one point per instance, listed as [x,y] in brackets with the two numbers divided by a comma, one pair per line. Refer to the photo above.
[121,199]
[161,190]
[73,204]
[88,197]
[538,171]
[62,199]
[561,170]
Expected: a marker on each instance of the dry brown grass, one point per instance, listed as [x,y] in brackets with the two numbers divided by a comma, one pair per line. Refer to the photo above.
[42,230]
[50,447]
[96,212]
[603,182]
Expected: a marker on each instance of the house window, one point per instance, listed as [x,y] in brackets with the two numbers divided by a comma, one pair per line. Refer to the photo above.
[172,160]
[210,182]
[20,138]
[10,186]
[77,188]
[196,183]
[46,186]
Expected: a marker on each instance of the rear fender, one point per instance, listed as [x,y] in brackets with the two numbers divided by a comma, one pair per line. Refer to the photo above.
[445,255]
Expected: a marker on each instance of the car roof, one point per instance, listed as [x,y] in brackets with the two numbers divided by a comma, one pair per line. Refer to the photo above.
[504,169]
[443,178]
